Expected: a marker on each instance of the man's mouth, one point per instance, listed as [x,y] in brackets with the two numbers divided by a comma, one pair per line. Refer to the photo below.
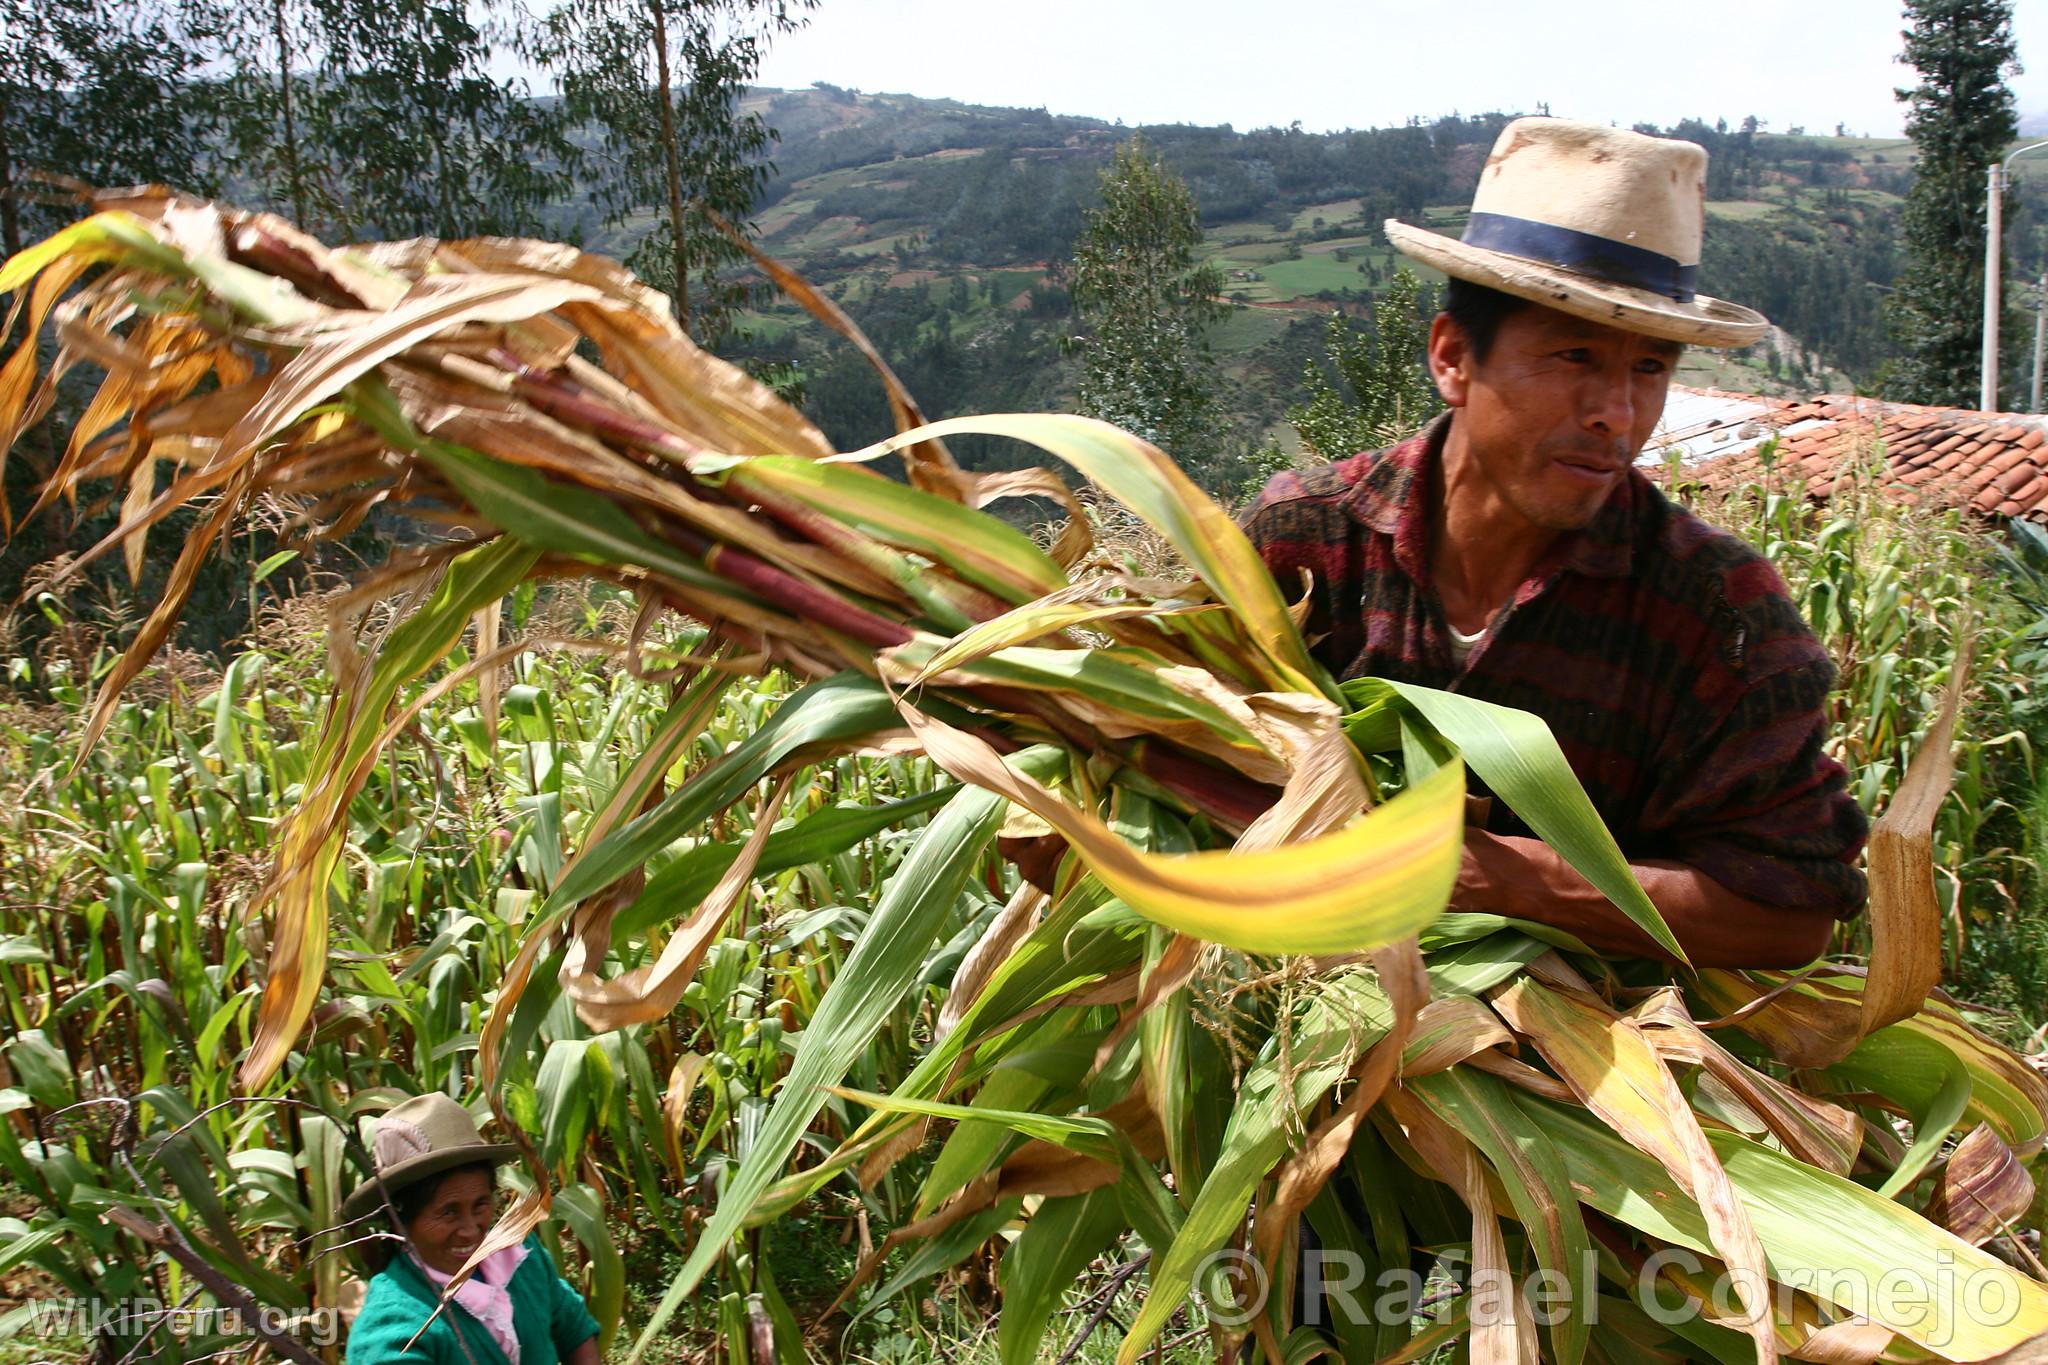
[1590,469]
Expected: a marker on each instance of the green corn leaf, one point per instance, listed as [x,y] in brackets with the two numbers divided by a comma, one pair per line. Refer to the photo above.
[814,839]
[1125,680]
[556,516]
[1821,1233]
[564,1107]
[1514,753]
[580,1207]
[1153,486]
[986,552]
[1537,1184]
[935,1254]
[1912,1062]
[1077,1132]
[843,707]
[1931,1128]
[881,967]
[1043,1263]
[227,737]
[975,1146]
[1064,952]
[1348,1014]
[27,1245]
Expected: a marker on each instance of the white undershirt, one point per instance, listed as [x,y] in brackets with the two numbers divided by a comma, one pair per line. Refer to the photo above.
[1462,644]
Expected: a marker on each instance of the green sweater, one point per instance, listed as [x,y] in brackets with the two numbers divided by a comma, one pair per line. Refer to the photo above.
[547,1313]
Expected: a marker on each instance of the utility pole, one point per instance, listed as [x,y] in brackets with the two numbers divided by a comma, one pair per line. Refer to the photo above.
[2040,335]
[1994,225]
[1994,231]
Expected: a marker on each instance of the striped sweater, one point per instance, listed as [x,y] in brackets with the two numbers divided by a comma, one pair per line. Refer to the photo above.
[1665,654]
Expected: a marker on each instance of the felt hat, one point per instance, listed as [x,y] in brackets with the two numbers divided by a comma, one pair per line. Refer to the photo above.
[1595,222]
[417,1139]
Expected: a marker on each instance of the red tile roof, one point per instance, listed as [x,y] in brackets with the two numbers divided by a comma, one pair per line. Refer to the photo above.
[1995,463]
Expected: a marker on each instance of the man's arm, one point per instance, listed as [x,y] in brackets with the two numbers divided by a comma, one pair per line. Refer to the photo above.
[1527,879]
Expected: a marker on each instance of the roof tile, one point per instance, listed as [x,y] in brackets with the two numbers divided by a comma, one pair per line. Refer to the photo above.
[2015,478]
[2004,461]
[2033,491]
[1994,463]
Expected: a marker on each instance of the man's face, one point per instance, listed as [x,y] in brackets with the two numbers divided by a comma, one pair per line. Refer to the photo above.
[1558,410]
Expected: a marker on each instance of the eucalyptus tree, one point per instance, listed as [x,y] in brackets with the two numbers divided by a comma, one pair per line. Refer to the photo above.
[1144,301]
[425,137]
[1961,118]
[660,83]
[94,94]
[389,118]
[269,98]
[1380,390]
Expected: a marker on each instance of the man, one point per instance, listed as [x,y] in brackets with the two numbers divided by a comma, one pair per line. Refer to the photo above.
[1512,552]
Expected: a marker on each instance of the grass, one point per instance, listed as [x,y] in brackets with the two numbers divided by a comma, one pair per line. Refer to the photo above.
[1244,330]
[1742,210]
[872,246]
[1281,279]
[1338,211]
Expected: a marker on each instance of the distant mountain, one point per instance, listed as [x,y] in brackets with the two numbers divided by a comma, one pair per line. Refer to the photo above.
[2034,124]
[941,227]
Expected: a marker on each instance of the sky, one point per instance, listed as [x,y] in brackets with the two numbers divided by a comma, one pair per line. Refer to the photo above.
[1369,63]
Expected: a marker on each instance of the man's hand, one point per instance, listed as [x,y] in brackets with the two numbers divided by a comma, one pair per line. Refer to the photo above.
[1527,879]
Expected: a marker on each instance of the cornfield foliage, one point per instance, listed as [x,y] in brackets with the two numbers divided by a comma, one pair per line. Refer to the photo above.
[720,918]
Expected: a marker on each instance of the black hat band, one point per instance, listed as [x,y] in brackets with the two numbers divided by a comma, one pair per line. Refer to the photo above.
[1588,254]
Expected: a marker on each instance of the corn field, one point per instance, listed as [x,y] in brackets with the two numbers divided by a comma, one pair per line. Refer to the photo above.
[891,935]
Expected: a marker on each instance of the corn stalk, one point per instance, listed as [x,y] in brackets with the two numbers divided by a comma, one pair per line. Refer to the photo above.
[1237,1003]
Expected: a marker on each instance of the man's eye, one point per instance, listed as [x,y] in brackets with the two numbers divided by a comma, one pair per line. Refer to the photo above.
[1576,355]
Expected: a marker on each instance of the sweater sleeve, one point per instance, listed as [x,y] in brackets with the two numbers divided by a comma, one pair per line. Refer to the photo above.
[389,1320]
[1754,801]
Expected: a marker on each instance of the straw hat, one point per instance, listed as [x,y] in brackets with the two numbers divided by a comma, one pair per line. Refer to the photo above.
[1594,222]
[421,1137]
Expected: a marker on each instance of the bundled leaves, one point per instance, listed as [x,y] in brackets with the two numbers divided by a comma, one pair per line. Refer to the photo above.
[1216,1017]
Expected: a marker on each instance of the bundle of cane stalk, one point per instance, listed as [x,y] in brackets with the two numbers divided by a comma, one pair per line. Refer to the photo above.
[1427,1079]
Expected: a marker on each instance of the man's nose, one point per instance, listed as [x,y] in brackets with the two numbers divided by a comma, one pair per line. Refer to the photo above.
[1609,406]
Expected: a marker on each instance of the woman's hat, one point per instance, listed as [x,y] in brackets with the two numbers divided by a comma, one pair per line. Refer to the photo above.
[1594,222]
[421,1137]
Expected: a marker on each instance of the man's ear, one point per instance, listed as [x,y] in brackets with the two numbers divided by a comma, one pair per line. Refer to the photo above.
[1450,360]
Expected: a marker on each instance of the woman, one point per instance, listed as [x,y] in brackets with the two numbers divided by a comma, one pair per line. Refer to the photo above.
[437,1173]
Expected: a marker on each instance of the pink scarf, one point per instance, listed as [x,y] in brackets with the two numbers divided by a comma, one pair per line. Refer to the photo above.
[483,1295]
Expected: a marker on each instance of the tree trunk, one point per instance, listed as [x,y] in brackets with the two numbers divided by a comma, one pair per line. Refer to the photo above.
[291,141]
[672,155]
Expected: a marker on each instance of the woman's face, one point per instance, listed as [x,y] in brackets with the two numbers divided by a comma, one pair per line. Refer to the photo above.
[454,1220]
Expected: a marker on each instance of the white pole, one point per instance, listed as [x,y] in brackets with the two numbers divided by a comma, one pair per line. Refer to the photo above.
[2040,335]
[1993,215]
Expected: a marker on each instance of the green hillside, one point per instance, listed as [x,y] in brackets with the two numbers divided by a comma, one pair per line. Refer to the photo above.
[942,227]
